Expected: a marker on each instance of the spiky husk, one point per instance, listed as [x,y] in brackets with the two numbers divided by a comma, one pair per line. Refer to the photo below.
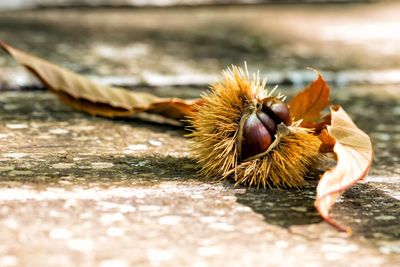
[215,125]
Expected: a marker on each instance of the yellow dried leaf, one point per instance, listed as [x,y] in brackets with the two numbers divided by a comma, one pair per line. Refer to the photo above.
[87,96]
[354,153]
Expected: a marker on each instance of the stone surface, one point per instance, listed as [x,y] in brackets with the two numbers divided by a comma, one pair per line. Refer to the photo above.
[93,191]
[77,190]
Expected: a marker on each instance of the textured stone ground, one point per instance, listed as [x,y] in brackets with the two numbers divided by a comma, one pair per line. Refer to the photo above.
[77,190]
[85,191]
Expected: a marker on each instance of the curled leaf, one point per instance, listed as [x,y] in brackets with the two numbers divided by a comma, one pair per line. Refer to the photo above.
[87,96]
[308,104]
[327,142]
[354,153]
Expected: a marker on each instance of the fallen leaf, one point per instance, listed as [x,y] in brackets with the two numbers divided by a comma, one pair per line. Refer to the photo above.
[85,95]
[319,125]
[328,142]
[308,104]
[354,152]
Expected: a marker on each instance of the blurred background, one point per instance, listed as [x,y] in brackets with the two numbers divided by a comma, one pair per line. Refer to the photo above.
[188,42]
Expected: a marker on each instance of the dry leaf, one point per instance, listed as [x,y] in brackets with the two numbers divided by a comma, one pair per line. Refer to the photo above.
[84,95]
[354,153]
[308,104]
[328,142]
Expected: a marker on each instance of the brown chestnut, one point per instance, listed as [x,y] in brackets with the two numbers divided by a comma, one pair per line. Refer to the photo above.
[258,129]
[255,139]
[279,110]
[267,121]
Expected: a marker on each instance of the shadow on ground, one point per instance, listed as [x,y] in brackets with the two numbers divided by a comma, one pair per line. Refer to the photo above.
[282,207]
[121,169]
[368,211]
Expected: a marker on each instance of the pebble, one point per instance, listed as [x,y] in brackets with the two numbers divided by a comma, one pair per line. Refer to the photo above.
[281,244]
[169,220]
[208,219]
[137,147]
[197,196]
[63,165]
[114,263]
[383,136]
[338,248]
[209,251]
[115,231]
[84,128]
[222,226]
[17,125]
[149,208]
[332,256]
[8,260]
[389,247]
[385,217]
[10,107]
[15,155]
[300,209]
[102,165]
[7,168]
[108,218]
[11,223]
[82,245]
[396,110]
[158,255]
[20,173]
[126,208]
[155,142]
[58,131]
[60,233]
